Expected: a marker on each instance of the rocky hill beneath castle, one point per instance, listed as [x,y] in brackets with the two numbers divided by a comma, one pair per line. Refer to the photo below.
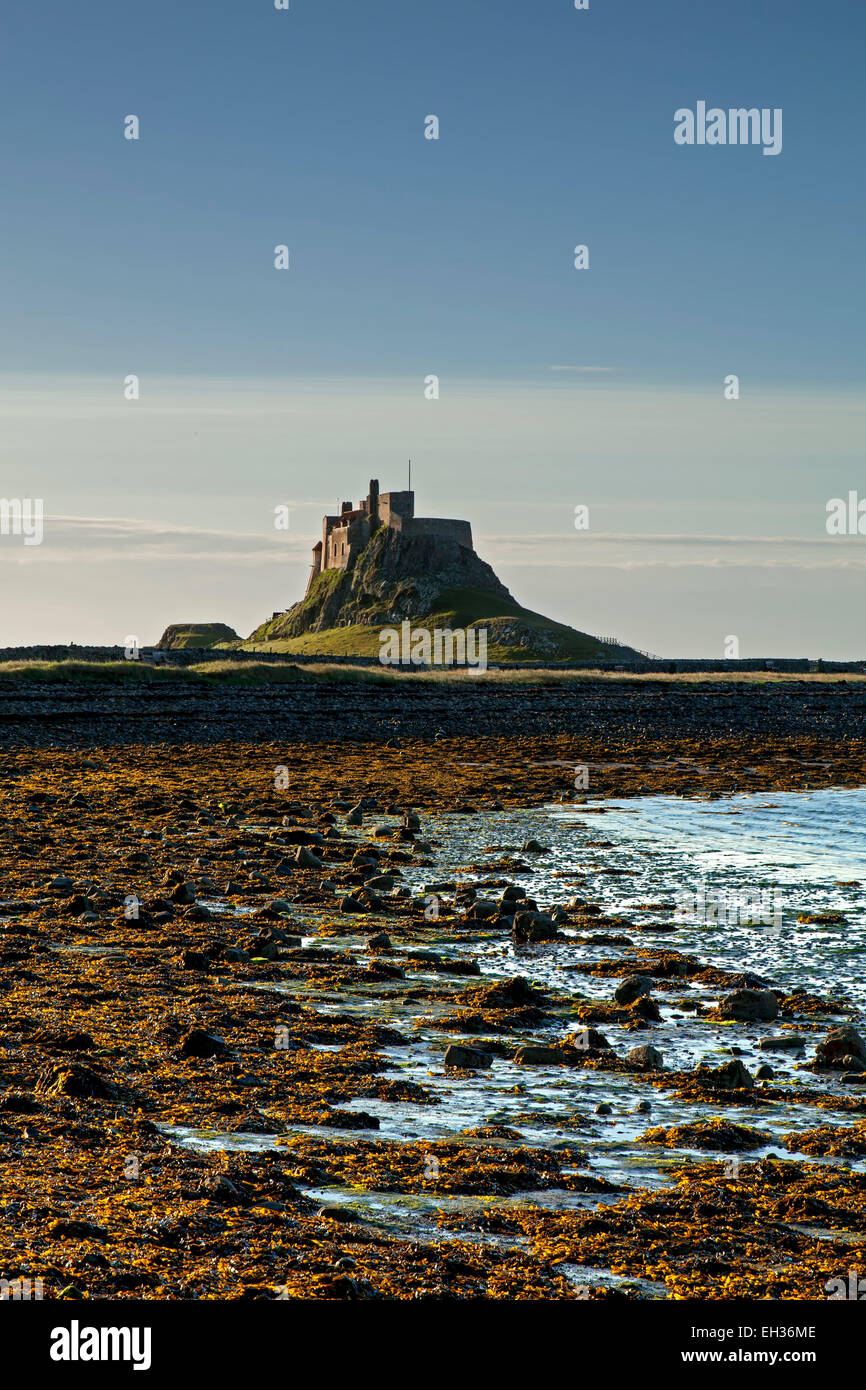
[432,582]
[395,577]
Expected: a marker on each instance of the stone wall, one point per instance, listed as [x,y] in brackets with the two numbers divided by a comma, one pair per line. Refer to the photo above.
[346,541]
[191,656]
[460,532]
[346,535]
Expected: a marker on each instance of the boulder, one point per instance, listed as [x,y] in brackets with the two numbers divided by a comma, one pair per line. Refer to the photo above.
[194,960]
[750,1006]
[512,893]
[787,1042]
[646,1058]
[482,910]
[839,1045]
[732,1076]
[198,913]
[77,906]
[305,859]
[265,950]
[77,1081]
[631,988]
[511,994]
[646,1008]
[589,1040]
[467,1058]
[273,910]
[302,837]
[350,904]
[199,1043]
[533,926]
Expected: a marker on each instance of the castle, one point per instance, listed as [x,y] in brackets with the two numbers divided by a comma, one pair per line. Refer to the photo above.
[345,536]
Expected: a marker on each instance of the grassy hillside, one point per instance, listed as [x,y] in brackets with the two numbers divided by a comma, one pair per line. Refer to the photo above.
[179,635]
[513,633]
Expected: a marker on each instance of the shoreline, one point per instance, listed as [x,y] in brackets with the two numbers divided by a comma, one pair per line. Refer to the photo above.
[113,1029]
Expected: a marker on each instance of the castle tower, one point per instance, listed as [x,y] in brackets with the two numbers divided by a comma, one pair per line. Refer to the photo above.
[345,535]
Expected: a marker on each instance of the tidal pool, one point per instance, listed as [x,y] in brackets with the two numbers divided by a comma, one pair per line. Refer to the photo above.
[637,859]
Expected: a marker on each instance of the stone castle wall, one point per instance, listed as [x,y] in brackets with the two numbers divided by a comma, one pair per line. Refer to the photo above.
[442,528]
[346,535]
[344,542]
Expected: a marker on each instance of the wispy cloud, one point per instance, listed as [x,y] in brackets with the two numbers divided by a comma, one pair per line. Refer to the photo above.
[613,550]
[92,540]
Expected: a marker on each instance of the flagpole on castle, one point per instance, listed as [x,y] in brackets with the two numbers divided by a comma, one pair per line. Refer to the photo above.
[410,475]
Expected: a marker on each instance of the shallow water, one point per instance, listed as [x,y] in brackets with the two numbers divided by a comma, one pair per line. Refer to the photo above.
[802,848]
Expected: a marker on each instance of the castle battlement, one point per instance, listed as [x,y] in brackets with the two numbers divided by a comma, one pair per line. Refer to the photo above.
[346,535]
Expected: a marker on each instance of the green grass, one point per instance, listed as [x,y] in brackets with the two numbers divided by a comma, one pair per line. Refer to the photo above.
[455,609]
[321,588]
[465,606]
[133,672]
[335,641]
[269,673]
[179,636]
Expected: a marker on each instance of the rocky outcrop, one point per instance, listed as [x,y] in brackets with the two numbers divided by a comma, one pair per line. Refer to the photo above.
[395,577]
[180,635]
[431,582]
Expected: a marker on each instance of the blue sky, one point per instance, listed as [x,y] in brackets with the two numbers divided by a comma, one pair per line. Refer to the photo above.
[453,257]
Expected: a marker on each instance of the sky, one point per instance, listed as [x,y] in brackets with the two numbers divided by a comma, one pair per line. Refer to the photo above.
[409,258]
